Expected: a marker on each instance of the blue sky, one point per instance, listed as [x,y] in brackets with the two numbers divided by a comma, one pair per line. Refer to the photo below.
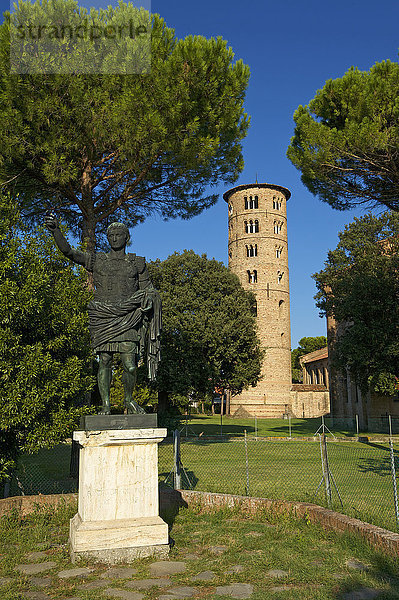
[292,48]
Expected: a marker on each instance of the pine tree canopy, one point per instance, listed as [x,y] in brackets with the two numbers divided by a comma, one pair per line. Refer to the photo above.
[346,141]
[125,146]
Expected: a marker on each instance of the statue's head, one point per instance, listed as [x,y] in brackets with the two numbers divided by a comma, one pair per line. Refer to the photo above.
[118,235]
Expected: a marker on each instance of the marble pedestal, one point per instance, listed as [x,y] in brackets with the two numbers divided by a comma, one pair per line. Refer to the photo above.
[118,517]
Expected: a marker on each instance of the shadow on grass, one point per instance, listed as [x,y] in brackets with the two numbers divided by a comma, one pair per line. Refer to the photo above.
[46,472]
[213,429]
[266,427]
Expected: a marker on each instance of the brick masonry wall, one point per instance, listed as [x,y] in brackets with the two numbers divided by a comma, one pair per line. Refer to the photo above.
[310,404]
[28,504]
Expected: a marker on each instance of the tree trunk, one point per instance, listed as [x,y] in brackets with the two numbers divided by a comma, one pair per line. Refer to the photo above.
[89,221]
[89,243]
[228,397]
[163,401]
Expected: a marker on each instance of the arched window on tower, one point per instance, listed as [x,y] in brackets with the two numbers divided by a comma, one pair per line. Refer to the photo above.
[246,226]
[277,226]
[281,308]
[279,276]
[230,208]
[252,250]
[279,251]
[256,226]
[252,276]
[251,203]
[255,309]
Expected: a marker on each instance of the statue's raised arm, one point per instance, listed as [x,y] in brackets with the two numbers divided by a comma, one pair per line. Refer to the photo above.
[78,257]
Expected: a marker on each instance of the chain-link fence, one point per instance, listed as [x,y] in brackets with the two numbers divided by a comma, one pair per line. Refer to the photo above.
[358,479]
[287,427]
[47,472]
[385,424]
[352,477]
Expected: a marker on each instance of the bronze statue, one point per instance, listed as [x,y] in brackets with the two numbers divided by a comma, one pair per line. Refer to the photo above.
[125,313]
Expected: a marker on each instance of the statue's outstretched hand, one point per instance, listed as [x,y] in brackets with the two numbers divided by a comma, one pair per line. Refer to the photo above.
[51,222]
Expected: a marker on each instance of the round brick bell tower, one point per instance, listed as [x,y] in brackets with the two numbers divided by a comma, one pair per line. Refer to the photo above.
[258,255]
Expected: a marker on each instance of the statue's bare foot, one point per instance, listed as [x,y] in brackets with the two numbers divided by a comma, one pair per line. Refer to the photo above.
[134,408]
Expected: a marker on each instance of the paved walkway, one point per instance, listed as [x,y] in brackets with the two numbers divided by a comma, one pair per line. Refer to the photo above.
[123,582]
[42,578]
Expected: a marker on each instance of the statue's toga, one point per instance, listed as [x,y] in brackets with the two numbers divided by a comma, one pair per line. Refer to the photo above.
[125,313]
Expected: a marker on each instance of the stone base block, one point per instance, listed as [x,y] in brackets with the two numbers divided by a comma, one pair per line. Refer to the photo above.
[120,540]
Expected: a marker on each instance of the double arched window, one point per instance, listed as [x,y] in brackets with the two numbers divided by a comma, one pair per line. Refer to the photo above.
[252,250]
[251,202]
[278,226]
[251,226]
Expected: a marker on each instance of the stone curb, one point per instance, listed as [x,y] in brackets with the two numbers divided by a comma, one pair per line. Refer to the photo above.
[385,540]
[28,504]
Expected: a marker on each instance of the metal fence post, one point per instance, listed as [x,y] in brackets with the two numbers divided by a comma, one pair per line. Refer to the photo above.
[393,472]
[395,491]
[177,461]
[326,470]
[246,461]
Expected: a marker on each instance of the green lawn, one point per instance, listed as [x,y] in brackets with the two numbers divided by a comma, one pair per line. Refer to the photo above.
[291,470]
[277,469]
[215,425]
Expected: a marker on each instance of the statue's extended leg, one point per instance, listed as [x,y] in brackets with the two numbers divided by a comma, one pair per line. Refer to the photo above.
[104,380]
[129,381]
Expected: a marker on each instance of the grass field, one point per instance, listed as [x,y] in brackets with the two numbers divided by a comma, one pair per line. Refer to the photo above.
[215,424]
[278,556]
[291,470]
[277,469]
[209,425]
